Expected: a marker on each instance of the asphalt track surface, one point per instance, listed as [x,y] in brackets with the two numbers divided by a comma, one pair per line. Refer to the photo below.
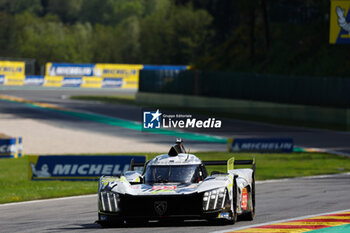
[334,141]
[61,99]
[276,201]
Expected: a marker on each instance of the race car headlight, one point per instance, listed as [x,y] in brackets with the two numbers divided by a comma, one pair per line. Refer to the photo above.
[109,201]
[214,199]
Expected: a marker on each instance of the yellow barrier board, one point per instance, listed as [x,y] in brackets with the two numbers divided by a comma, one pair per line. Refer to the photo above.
[128,73]
[12,68]
[339,32]
[92,82]
[55,81]
[32,161]
[14,80]
[93,75]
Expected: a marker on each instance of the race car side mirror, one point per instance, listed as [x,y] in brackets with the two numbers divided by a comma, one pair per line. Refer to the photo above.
[140,180]
[133,177]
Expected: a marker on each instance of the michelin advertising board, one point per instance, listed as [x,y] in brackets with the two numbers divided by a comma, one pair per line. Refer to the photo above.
[339,32]
[11,147]
[75,167]
[12,68]
[93,75]
[68,69]
[12,73]
[34,80]
[128,75]
[284,145]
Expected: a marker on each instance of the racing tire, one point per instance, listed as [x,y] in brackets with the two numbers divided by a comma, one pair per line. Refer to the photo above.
[234,201]
[251,214]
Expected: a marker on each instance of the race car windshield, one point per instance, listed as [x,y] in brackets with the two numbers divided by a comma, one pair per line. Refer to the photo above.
[169,174]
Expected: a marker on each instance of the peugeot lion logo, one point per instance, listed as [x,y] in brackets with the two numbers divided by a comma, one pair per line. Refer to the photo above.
[160,207]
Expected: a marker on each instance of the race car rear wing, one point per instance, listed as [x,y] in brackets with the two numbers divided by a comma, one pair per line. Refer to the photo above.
[134,164]
[230,163]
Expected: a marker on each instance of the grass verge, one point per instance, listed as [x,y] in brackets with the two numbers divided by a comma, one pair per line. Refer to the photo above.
[15,185]
[120,99]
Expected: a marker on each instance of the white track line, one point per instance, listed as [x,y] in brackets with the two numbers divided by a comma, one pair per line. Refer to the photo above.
[47,200]
[303,178]
[279,221]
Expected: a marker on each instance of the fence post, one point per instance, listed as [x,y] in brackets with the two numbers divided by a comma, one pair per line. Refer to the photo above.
[195,82]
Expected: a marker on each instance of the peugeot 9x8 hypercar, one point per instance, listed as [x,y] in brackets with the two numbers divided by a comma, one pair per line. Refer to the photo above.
[177,185]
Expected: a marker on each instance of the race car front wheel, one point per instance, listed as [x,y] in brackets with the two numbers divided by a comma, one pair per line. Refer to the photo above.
[229,210]
[234,202]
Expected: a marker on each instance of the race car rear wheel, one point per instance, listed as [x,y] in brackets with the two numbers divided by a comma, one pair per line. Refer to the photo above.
[235,201]
[251,214]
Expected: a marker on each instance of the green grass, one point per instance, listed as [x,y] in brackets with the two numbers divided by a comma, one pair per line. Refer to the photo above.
[15,185]
[120,99]
[276,166]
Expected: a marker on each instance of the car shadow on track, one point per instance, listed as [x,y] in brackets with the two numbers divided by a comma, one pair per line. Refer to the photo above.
[152,224]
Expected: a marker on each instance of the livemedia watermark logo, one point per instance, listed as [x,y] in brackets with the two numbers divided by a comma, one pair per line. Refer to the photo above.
[156,120]
[152,119]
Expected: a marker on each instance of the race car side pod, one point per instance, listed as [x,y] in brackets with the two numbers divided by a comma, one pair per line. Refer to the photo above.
[236,162]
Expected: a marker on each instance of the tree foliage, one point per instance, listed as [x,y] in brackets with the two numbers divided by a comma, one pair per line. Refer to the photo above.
[258,35]
[123,31]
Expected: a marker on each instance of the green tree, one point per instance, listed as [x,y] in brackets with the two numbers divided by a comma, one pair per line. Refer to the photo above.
[20,6]
[113,12]
[47,39]
[174,34]
[6,31]
[128,40]
[124,9]
[67,10]
[192,31]
[80,36]
[104,47]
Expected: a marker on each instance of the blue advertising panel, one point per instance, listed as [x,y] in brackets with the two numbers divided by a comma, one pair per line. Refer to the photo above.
[339,32]
[67,69]
[11,148]
[77,167]
[72,81]
[164,67]
[34,80]
[112,82]
[261,145]
[2,79]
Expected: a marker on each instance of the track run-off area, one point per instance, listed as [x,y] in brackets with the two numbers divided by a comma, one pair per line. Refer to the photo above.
[292,200]
[98,117]
[336,222]
[277,201]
